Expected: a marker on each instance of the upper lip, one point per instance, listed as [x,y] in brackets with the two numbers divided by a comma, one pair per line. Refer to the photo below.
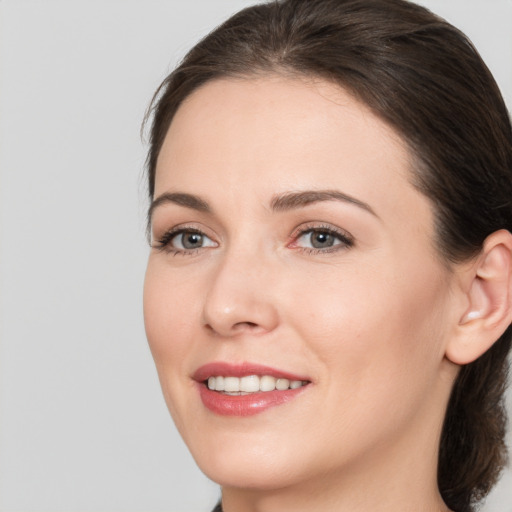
[220,368]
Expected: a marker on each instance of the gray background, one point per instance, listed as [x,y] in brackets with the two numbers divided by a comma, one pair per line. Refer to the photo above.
[83,425]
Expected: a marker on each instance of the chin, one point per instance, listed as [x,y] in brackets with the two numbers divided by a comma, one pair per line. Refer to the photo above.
[250,475]
[249,466]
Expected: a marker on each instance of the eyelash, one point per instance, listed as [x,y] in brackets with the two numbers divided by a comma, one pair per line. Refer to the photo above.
[344,237]
[347,241]
[163,244]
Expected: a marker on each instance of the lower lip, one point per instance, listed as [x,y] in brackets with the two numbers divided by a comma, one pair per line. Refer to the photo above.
[245,405]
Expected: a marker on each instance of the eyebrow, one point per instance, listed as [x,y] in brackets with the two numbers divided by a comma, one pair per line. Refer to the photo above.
[292,200]
[279,203]
[181,199]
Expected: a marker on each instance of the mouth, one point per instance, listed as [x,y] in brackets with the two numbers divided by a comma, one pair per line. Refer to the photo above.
[246,389]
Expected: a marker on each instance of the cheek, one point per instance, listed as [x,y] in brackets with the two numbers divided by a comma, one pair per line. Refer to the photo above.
[383,324]
[167,319]
[168,313]
[376,342]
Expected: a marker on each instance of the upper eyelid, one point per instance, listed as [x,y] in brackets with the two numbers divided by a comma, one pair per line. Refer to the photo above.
[182,226]
[320,226]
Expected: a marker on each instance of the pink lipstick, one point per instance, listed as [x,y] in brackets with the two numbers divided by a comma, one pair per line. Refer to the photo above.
[246,389]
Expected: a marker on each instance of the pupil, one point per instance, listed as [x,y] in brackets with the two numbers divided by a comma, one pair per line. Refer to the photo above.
[321,239]
[192,240]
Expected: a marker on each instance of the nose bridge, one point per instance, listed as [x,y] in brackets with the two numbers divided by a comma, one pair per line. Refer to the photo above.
[239,297]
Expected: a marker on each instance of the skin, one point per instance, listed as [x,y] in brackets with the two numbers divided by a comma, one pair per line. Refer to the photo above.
[367,322]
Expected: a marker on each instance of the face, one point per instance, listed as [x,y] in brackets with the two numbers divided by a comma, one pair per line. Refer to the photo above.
[293,272]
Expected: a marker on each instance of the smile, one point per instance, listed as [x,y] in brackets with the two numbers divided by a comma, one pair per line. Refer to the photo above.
[247,389]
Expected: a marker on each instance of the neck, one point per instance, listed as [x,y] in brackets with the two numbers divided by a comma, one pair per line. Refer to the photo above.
[345,494]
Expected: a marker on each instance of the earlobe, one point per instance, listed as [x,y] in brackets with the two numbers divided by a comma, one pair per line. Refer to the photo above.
[471,315]
[489,299]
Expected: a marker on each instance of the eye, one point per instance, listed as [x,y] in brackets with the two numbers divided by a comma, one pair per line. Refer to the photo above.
[190,240]
[322,239]
[184,241]
[318,240]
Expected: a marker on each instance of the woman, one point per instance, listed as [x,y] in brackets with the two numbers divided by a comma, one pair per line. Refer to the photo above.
[328,294]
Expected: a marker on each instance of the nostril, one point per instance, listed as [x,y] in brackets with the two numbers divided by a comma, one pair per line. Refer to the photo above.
[239,326]
[245,325]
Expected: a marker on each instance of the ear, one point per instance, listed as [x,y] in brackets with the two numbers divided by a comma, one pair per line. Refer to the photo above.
[488,291]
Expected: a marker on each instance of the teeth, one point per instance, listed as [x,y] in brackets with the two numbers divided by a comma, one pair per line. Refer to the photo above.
[231,384]
[252,384]
[219,383]
[282,384]
[267,383]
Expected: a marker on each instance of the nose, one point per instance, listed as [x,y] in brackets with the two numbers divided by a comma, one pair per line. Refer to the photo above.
[241,297]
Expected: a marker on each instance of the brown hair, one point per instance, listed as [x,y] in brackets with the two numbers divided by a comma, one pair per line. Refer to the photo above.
[425,79]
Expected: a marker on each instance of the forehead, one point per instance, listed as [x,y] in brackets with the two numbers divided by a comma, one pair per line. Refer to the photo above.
[273,134]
